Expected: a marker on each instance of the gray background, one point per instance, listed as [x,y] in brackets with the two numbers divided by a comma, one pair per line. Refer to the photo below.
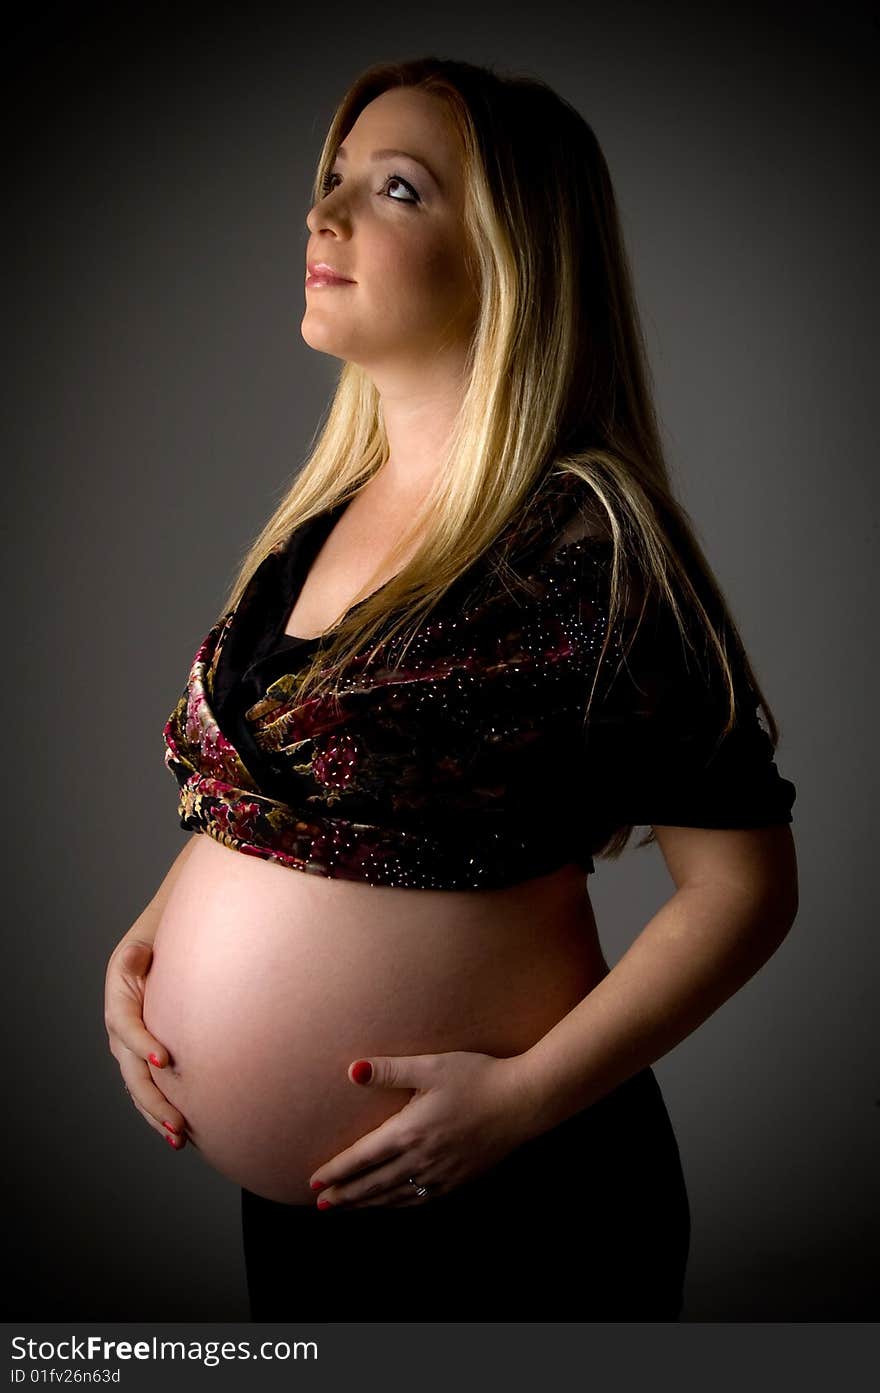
[159,398]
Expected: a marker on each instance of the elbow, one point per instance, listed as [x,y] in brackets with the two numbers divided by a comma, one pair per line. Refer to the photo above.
[757,866]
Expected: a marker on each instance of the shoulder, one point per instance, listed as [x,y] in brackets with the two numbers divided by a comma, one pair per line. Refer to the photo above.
[580,513]
[562,511]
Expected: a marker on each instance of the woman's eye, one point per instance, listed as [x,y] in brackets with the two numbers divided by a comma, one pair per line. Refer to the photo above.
[396,179]
[327,185]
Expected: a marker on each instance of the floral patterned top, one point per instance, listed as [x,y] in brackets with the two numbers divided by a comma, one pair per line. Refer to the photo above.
[469,766]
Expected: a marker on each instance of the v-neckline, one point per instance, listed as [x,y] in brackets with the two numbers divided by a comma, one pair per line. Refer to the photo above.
[297,557]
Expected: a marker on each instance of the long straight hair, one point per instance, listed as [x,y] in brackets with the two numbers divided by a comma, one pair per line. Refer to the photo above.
[557,379]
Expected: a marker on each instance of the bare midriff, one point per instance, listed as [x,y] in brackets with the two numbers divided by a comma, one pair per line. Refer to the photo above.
[267,983]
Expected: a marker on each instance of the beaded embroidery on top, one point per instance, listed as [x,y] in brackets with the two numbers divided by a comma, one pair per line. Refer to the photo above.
[467,766]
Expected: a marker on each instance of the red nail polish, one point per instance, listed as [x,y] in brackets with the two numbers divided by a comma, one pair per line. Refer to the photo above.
[172,1142]
[362,1071]
[318,1184]
[324,1204]
[153,1058]
[170,1128]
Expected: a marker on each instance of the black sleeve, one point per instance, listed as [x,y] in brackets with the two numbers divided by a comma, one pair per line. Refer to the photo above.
[654,737]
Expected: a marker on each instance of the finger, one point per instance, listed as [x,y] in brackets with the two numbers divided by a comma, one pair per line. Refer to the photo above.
[177,1143]
[392,1191]
[150,1102]
[174,1130]
[377,1185]
[123,1011]
[383,1144]
[176,1140]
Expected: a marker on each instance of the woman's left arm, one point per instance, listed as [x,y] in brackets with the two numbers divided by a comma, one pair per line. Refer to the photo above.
[736,898]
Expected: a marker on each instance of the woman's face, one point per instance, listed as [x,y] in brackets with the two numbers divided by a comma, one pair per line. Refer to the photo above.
[395,229]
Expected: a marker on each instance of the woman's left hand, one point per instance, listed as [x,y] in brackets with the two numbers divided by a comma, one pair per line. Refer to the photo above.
[467,1113]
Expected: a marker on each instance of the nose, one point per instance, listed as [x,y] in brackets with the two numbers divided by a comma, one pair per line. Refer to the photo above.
[323,218]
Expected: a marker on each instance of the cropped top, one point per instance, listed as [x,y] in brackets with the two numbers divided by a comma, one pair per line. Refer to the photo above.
[468,766]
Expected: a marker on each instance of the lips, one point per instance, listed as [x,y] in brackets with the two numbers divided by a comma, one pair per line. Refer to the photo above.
[320,273]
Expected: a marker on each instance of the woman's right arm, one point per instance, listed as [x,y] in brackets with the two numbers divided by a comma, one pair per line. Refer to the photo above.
[130,1041]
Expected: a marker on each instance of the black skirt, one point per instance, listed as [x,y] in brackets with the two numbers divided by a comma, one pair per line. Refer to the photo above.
[587,1222]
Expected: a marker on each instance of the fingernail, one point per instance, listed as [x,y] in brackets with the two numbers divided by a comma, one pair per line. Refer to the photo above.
[324,1204]
[362,1071]
[172,1142]
[170,1128]
[154,1059]
[318,1184]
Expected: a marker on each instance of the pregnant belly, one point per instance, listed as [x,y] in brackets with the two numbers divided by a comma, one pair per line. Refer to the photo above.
[267,983]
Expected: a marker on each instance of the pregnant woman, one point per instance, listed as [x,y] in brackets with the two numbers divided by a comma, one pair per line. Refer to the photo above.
[475,646]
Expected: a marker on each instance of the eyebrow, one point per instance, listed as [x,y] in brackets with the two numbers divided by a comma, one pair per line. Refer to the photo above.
[342,154]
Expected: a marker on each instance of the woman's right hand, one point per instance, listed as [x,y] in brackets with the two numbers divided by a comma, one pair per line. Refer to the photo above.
[131,1044]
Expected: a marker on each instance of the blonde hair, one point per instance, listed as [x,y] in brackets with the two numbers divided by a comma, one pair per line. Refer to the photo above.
[557,378]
